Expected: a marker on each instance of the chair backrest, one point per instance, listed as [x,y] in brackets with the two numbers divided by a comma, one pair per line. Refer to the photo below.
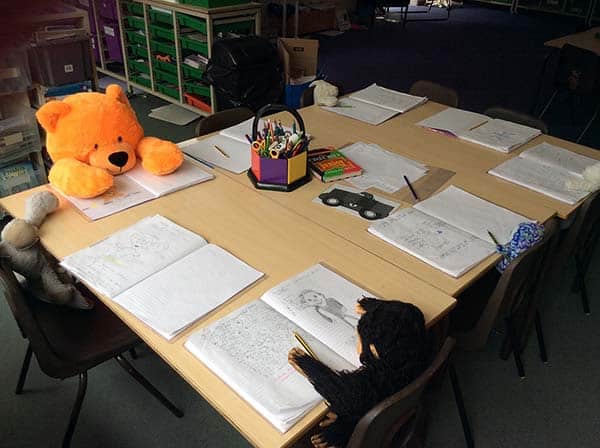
[578,71]
[378,427]
[517,117]
[223,119]
[517,286]
[308,97]
[584,230]
[435,92]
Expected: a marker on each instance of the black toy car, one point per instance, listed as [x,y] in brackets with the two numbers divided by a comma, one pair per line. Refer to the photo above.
[363,203]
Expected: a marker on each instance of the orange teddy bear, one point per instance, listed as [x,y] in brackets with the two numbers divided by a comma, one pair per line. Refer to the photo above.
[93,136]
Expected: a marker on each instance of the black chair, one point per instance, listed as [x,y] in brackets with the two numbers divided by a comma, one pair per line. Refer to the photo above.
[577,74]
[308,97]
[398,421]
[68,342]
[223,119]
[435,92]
[517,117]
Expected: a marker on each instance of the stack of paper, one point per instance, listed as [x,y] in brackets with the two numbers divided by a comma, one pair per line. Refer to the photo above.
[500,135]
[453,121]
[376,104]
[165,275]
[546,169]
[382,169]
[449,231]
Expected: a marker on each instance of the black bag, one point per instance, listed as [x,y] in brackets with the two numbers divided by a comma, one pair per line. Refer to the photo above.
[245,71]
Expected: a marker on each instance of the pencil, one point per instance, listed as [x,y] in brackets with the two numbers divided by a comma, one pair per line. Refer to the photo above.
[202,161]
[412,190]
[493,238]
[223,153]
[303,343]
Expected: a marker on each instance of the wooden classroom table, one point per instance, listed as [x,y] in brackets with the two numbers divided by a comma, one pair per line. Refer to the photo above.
[586,40]
[468,161]
[270,238]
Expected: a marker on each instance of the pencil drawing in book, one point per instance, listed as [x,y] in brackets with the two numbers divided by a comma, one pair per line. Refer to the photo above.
[329,308]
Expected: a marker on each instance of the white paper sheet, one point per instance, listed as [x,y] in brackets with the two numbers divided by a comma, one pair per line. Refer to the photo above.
[176,296]
[472,214]
[558,157]
[239,131]
[127,257]
[435,242]
[382,169]
[204,149]
[172,113]
[388,98]
[501,135]
[453,121]
[362,111]
[544,179]
[187,175]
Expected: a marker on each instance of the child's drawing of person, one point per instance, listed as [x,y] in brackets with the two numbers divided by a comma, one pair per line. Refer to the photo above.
[328,308]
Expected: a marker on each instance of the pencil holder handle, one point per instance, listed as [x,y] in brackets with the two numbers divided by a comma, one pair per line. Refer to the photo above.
[271,108]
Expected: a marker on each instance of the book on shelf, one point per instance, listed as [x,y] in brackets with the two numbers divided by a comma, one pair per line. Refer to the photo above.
[162,273]
[329,165]
[375,104]
[248,349]
[546,168]
[138,186]
[449,230]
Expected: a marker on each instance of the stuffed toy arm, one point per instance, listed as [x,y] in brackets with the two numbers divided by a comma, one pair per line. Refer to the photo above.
[158,156]
[79,179]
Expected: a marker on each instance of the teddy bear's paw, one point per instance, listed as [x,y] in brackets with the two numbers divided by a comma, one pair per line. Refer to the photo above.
[79,179]
[159,157]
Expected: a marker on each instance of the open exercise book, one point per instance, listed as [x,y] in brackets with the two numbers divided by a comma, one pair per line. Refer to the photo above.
[162,273]
[137,186]
[376,104]
[501,135]
[546,168]
[248,349]
[449,230]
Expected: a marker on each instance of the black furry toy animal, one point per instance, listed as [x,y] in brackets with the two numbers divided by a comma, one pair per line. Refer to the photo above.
[394,349]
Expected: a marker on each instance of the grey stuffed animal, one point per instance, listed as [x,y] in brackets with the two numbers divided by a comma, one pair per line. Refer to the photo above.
[20,243]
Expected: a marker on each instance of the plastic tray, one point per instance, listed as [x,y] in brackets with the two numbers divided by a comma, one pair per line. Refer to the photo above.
[170,78]
[138,51]
[139,66]
[164,66]
[162,32]
[198,89]
[20,176]
[191,72]
[192,22]
[141,80]
[161,17]
[163,47]
[198,102]
[168,89]
[213,3]
[136,9]
[135,38]
[194,45]
[19,134]
[237,27]
[135,22]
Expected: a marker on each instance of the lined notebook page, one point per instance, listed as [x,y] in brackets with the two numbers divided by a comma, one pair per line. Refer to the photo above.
[501,135]
[388,98]
[454,121]
[558,157]
[362,111]
[238,152]
[187,175]
[472,214]
[544,179]
[433,241]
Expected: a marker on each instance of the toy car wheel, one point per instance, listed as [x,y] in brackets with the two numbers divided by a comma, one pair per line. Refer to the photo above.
[332,202]
[369,214]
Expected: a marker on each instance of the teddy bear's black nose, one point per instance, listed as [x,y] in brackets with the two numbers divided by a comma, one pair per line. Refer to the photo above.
[118,158]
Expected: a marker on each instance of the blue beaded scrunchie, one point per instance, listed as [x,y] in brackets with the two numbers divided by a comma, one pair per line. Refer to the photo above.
[526,236]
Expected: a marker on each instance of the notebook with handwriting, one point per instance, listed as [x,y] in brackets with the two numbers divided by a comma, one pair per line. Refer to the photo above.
[501,135]
[453,121]
[449,230]
[248,349]
[162,273]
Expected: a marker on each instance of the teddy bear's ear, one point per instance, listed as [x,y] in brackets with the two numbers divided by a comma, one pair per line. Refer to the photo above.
[50,112]
[114,91]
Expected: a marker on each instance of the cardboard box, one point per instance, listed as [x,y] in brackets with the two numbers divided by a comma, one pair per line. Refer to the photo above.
[299,57]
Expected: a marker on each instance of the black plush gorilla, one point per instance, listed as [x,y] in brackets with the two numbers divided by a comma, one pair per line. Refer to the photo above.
[394,349]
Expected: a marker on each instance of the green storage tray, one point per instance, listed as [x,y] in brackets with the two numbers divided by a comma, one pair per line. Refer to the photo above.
[191,72]
[213,3]
[167,77]
[194,45]
[138,66]
[162,32]
[161,17]
[135,22]
[164,66]
[136,9]
[140,80]
[138,51]
[196,88]
[163,47]
[195,23]
[134,37]
[238,27]
[168,89]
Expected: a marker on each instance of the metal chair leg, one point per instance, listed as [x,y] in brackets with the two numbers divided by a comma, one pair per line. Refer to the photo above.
[582,288]
[460,404]
[76,409]
[515,347]
[548,104]
[148,386]
[540,336]
[24,370]
[588,124]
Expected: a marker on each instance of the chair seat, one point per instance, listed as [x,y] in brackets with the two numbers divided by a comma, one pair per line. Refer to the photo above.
[82,339]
